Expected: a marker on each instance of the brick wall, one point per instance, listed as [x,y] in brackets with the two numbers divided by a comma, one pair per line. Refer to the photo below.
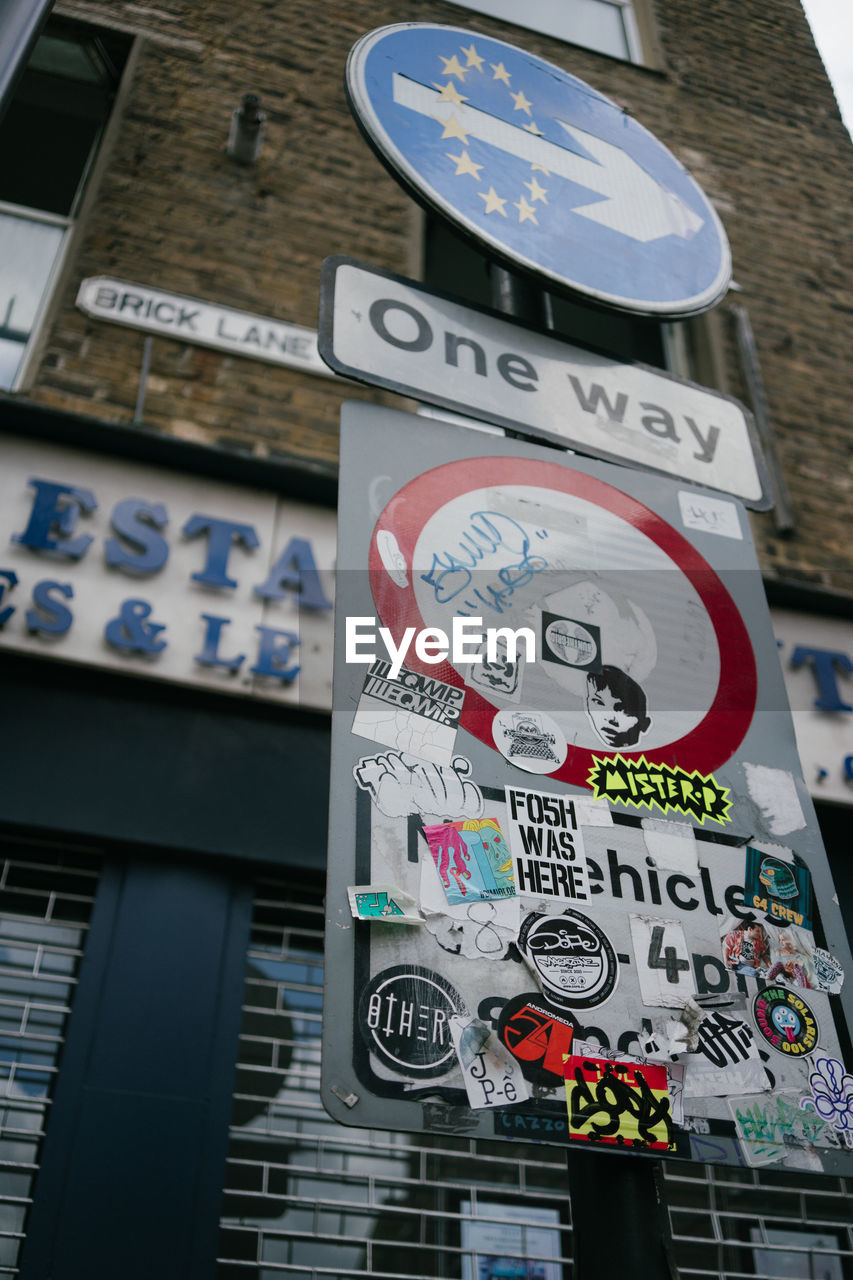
[742,99]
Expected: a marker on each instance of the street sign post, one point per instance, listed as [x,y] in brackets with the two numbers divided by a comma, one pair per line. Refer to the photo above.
[577,892]
[382,329]
[542,170]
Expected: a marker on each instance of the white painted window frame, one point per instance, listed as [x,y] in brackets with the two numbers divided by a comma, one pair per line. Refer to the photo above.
[528,16]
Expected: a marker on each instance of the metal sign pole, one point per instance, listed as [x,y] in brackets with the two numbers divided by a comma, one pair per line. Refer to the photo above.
[604,1190]
[598,1184]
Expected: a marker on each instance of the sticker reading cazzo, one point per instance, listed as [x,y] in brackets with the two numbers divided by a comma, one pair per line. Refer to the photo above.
[411,712]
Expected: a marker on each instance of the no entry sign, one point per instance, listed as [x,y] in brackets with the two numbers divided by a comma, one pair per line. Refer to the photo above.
[576,890]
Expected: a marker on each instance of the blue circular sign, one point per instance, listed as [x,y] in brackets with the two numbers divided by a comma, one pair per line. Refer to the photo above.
[545,172]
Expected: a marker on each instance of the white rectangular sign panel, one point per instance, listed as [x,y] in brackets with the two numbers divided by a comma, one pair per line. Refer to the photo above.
[172,315]
[390,332]
[617,864]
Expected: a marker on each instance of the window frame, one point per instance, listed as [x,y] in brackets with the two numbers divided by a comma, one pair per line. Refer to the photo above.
[637,52]
[81,203]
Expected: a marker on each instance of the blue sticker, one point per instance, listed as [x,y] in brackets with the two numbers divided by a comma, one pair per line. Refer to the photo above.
[782,890]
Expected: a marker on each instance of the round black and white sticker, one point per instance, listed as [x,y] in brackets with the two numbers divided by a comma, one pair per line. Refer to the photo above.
[404,1016]
[573,957]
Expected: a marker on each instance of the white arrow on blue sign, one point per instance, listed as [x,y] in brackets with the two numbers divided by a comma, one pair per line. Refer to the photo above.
[544,171]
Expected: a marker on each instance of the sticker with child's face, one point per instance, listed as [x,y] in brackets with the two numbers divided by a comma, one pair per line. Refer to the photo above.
[616,707]
[638,645]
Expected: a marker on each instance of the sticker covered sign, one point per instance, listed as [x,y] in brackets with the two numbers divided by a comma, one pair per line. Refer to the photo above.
[638,945]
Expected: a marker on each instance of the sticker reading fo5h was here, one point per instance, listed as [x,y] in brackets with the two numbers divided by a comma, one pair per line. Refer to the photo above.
[623,1104]
[547,846]
[637,783]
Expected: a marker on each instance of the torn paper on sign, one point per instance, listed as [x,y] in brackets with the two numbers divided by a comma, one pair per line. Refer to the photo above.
[775,794]
[726,1061]
[663,962]
[592,813]
[478,929]
[492,1075]
[674,1036]
[672,845]
[383,902]
[410,712]
[400,784]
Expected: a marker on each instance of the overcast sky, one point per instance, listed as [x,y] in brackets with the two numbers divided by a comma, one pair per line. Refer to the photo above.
[832,26]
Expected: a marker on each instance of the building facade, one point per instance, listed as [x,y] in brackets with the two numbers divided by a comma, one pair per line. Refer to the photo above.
[169,439]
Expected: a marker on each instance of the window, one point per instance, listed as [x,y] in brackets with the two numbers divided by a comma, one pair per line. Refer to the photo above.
[797,1255]
[46,898]
[608,26]
[48,141]
[306,1197]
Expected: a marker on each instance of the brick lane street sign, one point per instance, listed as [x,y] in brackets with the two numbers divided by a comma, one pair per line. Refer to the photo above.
[172,315]
[544,172]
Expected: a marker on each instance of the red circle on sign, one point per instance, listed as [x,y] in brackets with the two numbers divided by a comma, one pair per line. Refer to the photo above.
[711,742]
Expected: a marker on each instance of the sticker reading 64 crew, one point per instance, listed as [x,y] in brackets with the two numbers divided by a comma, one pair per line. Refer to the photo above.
[643,785]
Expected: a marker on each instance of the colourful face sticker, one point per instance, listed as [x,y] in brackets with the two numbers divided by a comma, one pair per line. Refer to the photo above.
[785,1021]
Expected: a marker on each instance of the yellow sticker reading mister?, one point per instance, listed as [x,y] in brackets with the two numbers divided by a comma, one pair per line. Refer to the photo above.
[642,785]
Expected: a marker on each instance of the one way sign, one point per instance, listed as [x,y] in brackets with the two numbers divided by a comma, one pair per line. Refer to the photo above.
[546,172]
[390,332]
